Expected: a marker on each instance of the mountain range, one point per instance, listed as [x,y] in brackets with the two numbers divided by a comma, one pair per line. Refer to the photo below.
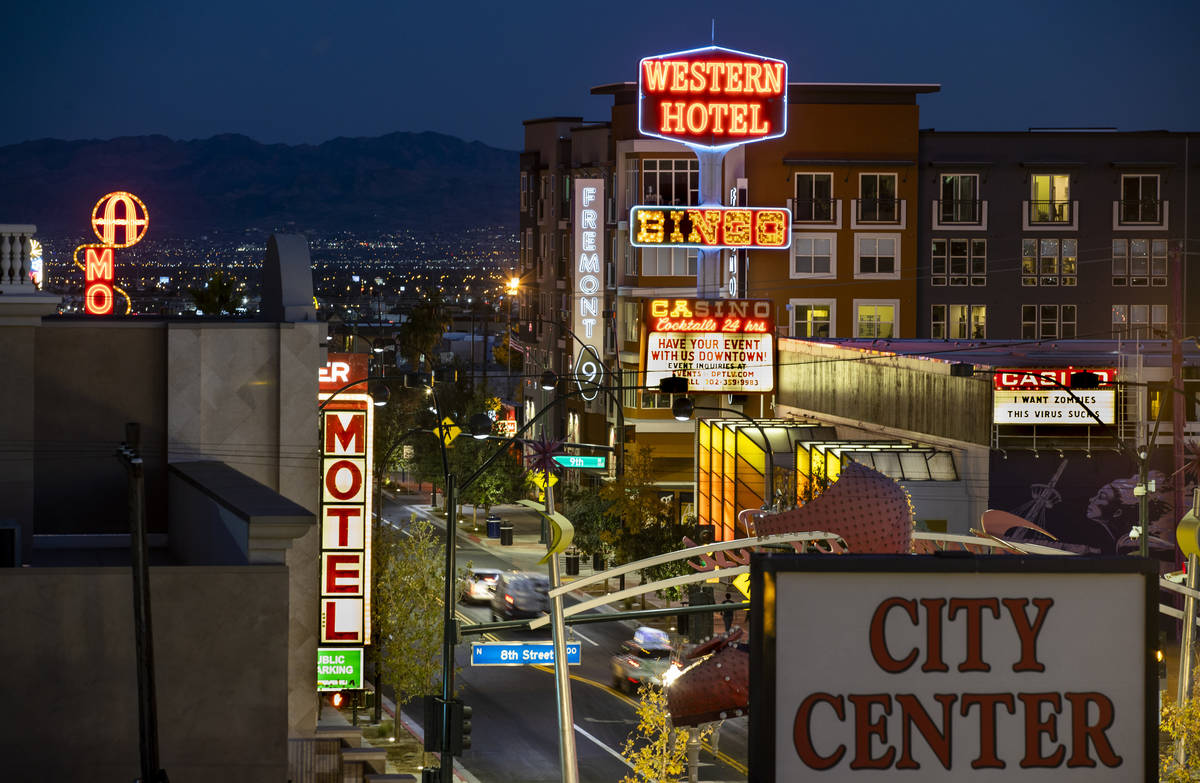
[414,182]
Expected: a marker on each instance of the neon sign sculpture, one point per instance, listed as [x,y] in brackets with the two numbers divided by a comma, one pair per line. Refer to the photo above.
[712,97]
[121,223]
[744,228]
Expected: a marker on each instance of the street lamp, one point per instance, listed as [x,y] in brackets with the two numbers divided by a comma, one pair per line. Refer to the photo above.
[684,407]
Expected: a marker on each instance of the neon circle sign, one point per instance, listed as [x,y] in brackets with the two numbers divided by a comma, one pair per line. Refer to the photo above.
[120,220]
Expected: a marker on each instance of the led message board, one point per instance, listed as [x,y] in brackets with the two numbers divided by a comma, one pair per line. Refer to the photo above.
[347,434]
[751,228]
[587,288]
[119,220]
[718,345]
[953,669]
[712,97]
[1038,396]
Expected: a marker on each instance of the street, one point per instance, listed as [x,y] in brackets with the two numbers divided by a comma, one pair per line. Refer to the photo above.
[515,722]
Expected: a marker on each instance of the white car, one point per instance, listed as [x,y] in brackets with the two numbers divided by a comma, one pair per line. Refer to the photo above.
[480,585]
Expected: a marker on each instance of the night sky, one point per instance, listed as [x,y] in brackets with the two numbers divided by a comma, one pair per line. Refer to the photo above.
[306,72]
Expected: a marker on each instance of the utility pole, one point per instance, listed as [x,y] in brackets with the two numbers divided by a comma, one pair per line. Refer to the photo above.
[569,764]
[142,631]
[1178,414]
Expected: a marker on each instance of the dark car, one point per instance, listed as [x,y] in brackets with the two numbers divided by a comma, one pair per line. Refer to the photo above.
[520,594]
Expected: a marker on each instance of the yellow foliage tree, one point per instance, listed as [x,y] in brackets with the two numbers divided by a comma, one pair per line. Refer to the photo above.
[1182,724]
[656,750]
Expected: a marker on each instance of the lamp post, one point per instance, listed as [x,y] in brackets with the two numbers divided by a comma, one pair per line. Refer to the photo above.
[683,408]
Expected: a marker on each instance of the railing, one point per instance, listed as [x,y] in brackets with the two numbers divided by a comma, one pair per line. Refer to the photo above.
[15,250]
[817,210]
[878,210]
[1049,211]
[1141,211]
[959,211]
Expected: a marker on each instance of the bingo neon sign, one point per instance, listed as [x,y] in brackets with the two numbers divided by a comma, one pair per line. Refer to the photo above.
[347,434]
[712,97]
[120,220]
[712,227]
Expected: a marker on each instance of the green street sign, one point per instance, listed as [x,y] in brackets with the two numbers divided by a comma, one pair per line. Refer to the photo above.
[572,461]
[339,668]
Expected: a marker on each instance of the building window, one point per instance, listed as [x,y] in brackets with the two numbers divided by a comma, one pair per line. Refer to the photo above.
[813,255]
[877,255]
[671,181]
[875,318]
[1049,262]
[1051,199]
[958,322]
[814,198]
[1047,322]
[631,313]
[1139,262]
[657,400]
[958,262]
[1139,321]
[877,198]
[666,261]
[960,199]
[813,318]
[1139,198]
[524,191]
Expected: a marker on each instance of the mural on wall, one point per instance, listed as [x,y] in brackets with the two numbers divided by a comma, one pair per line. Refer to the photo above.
[1087,503]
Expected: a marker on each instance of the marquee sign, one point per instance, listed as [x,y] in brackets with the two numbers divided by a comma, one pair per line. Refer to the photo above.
[119,220]
[712,97]
[588,294]
[1040,396]
[347,433]
[718,345]
[953,670]
[711,228]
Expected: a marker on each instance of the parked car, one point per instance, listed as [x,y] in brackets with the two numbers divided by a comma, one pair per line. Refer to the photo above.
[479,585]
[520,594]
[644,658]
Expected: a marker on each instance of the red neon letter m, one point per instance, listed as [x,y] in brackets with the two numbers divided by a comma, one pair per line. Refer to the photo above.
[345,432]
[99,266]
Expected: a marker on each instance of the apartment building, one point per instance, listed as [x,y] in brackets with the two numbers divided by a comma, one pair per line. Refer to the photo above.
[1055,234]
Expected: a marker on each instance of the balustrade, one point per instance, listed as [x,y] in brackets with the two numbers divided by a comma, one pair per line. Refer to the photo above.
[15,249]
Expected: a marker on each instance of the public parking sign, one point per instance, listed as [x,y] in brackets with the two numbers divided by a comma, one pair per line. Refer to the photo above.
[519,653]
[339,668]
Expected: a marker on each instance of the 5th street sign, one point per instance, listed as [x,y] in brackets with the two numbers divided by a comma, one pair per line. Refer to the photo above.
[573,461]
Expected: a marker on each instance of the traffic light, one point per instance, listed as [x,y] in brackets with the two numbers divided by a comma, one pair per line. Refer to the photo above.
[433,722]
[460,726]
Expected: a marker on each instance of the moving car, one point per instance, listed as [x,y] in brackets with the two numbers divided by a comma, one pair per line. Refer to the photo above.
[644,658]
[479,585]
[520,594]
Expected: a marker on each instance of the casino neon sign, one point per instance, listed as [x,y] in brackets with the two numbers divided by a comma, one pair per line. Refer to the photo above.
[119,220]
[712,97]
[747,228]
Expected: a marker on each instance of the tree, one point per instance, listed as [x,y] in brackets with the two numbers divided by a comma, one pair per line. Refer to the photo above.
[595,527]
[409,590]
[221,294]
[657,751]
[419,335]
[1182,725]
[643,516]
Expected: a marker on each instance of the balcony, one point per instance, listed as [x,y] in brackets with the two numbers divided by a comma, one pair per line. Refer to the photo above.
[821,210]
[1057,215]
[1140,214]
[960,213]
[15,248]
[872,212]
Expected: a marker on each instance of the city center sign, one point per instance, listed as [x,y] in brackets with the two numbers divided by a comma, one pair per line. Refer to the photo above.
[712,97]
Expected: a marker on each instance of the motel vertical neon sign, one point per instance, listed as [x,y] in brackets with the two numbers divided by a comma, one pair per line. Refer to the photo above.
[347,433]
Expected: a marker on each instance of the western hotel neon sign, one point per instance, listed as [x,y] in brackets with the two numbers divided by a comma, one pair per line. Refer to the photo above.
[712,97]
[347,432]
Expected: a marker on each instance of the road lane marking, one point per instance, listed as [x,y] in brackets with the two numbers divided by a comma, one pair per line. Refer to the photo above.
[611,752]
[586,639]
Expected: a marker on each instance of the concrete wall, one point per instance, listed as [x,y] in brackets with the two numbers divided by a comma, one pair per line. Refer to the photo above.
[220,644]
